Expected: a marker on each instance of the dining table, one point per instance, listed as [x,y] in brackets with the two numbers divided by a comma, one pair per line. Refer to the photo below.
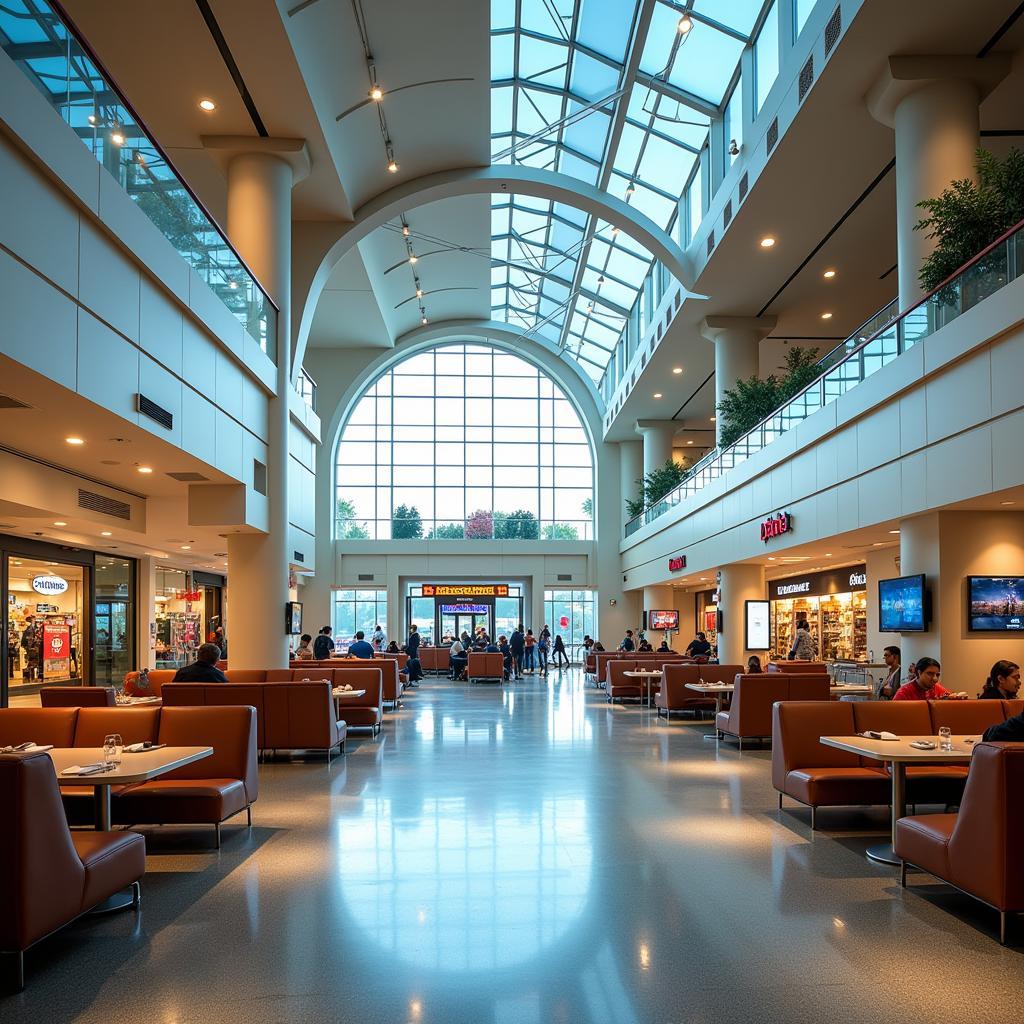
[646,677]
[899,753]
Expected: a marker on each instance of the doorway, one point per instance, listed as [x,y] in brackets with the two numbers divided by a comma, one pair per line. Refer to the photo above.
[454,620]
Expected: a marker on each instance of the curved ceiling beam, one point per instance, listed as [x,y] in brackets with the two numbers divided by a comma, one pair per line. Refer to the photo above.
[324,245]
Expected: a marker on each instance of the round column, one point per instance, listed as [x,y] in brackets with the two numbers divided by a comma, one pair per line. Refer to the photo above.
[658,436]
[937,135]
[631,469]
[259,226]
[740,583]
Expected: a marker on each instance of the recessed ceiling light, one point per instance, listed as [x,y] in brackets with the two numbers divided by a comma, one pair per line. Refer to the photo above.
[657,394]
[877,544]
[73,440]
[689,442]
[145,469]
[828,554]
[60,522]
[767,242]
[1007,503]
[714,419]
[829,274]
[423,319]
[207,105]
[826,316]
[894,531]
[106,533]
[677,369]
[771,558]
[186,547]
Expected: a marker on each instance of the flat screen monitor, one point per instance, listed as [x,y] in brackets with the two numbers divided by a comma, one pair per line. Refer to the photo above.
[903,605]
[758,627]
[995,604]
[293,618]
[661,620]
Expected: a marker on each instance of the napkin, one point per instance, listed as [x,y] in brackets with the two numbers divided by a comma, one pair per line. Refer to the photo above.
[883,735]
[86,769]
[28,747]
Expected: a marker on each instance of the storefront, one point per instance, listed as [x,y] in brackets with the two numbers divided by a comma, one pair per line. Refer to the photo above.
[706,607]
[444,611]
[189,609]
[835,606]
[69,617]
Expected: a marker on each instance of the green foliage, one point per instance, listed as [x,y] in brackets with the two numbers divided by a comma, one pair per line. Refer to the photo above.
[346,527]
[660,481]
[560,531]
[634,506]
[406,523]
[750,401]
[517,525]
[967,217]
[588,508]
[447,531]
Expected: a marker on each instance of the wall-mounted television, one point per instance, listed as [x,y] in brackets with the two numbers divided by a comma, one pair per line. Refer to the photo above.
[293,618]
[903,605]
[665,619]
[995,604]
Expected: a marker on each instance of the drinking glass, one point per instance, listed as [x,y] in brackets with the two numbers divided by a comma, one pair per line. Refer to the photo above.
[946,738]
[110,749]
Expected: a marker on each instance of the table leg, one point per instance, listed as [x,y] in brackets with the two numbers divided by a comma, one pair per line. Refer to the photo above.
[126,897]
[102,807]
[884,853]
[719,700]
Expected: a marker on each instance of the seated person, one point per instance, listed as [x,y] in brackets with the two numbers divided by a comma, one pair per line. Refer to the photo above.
[754,665]
[1003,682]
[361,648]
[699,647]
[203,669]
[491,647]
[459,660]
[1010,731]
[665,649]
[891,683]
[598,647]
[645,647]
[304,652]
[925,685]
[506,652]
[393,648]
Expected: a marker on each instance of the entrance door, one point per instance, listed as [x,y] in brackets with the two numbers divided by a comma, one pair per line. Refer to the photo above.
[454,624]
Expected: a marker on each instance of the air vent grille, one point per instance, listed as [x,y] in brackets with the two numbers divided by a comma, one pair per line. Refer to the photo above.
[806,77]
[773,134]
[155,412]
[564,577]
[711,243]
[299,556]
[6,402]
[188,478]
[726,214]
[259,477]
[365,577]
[101,503]
[833,28]
[744,186]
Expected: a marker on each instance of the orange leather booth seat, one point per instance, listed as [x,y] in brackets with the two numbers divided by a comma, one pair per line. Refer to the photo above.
[48,875]
[77,697]
[673,695]
[589,664]
[435,659]
[618,685]
[796,667]
[290,715]
[485,665]
[157,678]
[389,668]
[978,850]
[820,776]
[647,660]
[750,714]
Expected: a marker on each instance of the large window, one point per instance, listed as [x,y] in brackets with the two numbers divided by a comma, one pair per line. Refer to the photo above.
[570,614]
[801,12]
[766,57]
[464,442]
[355,610]
[733,119]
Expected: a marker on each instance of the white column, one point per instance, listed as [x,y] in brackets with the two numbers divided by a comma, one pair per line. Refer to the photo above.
[932,103]
[259,226]
[145,612]
[740,583]
[737,342]
[631,469]
[657,439]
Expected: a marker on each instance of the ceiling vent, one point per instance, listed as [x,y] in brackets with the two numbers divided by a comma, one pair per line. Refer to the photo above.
[6,402]
[833,29]
[365,577]
[744,185]
[101,503]
[155,412]
[806,77]
[188,478]
[773,134]
[299,556]
[564,577]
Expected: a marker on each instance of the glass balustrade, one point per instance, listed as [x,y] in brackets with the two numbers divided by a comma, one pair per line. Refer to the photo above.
[72,81]
[875,344]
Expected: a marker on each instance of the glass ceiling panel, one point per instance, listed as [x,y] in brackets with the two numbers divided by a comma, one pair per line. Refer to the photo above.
[578,88]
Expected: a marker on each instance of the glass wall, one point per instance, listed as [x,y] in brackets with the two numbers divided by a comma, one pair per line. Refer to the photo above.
[464,442]
[114,652]
[357,609]
[801,12]
[733,119]
[766,57]
[571,614]
[179,618]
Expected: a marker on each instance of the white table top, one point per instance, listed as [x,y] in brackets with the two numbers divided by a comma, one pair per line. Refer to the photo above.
[840,688]
[348,693]
[138,702]
[901,750]
[642,673]
[133,767]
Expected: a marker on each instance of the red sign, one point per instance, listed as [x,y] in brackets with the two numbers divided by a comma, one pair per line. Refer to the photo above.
[677,563]
[465,590]
[775,526]
[563,622]
[664,619]
[56,642]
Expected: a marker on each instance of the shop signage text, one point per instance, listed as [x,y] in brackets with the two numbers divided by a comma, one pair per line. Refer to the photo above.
[49,584]
[820,584]
[465,590]
[803,587]
[858,579]
[775,526]
[464,609]
[677,563]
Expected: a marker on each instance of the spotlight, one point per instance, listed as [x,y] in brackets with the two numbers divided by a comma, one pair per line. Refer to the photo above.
[145,469]
[423,319]
[73,440]
[826,316]
[377,93]
[117,138]
[392,166]
[233,285]
[677,369]
[829,274]
[405,230]
[685,25]
[413,258]
[419,293]
[657,394]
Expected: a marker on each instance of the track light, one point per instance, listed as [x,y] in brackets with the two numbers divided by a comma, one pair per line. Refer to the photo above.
[376,94]
[423,319]
[419,293]
[630,189]
[405,230]
[117,138]
[685,25]
[413,257]
[392,166]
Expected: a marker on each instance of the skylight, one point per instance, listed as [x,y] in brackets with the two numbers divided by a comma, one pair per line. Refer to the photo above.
[609,92]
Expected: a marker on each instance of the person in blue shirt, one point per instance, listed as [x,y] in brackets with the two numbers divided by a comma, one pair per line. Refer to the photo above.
[360,649]
[323,645]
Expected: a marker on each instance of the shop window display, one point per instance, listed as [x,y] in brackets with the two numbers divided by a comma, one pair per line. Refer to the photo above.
[835,607]
[179,626]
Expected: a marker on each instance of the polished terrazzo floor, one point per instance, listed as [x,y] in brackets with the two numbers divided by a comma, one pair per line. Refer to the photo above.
[527,855]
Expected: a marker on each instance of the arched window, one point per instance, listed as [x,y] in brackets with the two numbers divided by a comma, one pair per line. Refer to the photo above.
[464,441]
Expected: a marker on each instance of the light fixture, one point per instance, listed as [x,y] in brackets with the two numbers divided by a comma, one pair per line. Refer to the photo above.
[106,533]
[419,293]
[713,418]
[734,149]
[677,370]
[186,547]
[826,316]
[423,319]
[600,280]
[615,231]
[689,442]
[60,522]
[684,25]
[771,558]
[829,274]
[207,105]
[233,285]
[877,544]
[630,189]
[828,554]
[590,307]
[92,119]
[392,166]
[73,440]
[767,242]
[117,138]
[1007,503]
[405,230]
[145,469]
[413,257]
[894,531]
[657,394]
[377,93]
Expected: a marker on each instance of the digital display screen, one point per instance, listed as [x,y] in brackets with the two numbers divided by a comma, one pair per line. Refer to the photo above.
[464,609]
[902,605]
[293,617]
[758,626]
[995,604]
[666,619]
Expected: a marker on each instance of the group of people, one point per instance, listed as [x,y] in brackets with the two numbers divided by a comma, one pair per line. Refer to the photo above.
[923,680]
[523,652]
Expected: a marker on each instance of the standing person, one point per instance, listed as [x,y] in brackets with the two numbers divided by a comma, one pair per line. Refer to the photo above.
[530,664]
[32,645]
[628,643]
[543,645]
[546,633]
[558,654]
[221,640]
[803,643]
[323,645]
[517,645]
[360,649]
[890,685]
[412,648]
[378,638]
[1003,682]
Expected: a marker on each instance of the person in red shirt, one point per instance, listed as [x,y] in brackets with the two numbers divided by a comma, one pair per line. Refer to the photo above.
[925,685]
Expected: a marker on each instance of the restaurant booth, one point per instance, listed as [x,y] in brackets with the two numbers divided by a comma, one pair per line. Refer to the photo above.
[834,603]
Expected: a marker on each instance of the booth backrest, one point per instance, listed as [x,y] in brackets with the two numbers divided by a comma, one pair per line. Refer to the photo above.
[246,675]
[485,665]
[434,659]
[903,717]
[965,717]
[77,697]
[720,673]
[157,678]
[133,725]
[54,726]
[796,666]
[751,711]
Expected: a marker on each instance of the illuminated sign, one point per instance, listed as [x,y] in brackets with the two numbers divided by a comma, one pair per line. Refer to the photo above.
[49,584]
[775,526]
[465,590]
[663,619]
[677,563]
[464,609]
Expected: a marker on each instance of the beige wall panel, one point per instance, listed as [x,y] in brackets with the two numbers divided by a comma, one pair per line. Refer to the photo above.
[108,367]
